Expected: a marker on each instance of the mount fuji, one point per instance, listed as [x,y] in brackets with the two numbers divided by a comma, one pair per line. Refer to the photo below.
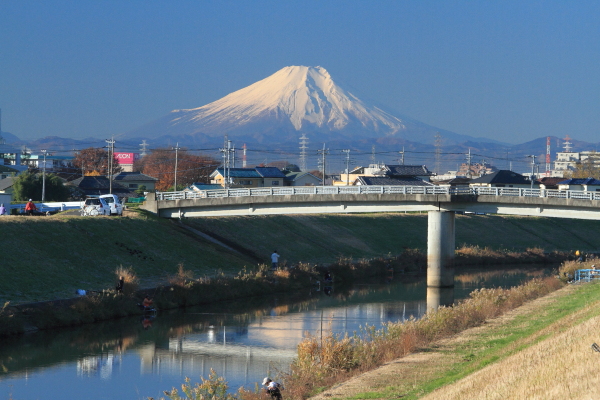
[293,101]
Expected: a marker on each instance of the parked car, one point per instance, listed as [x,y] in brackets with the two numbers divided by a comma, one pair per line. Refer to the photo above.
[95,206]
[116,208]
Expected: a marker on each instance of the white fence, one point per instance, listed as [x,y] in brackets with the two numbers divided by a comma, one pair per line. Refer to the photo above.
[303,190]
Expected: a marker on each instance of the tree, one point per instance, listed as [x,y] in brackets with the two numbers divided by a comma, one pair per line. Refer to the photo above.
[94,161]
[29,186]
[190,168]
[588,168]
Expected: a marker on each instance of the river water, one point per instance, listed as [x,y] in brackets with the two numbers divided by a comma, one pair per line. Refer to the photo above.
[243,341]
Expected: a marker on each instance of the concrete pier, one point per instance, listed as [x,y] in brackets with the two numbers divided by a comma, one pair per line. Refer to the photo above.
[439,296]
[440,249]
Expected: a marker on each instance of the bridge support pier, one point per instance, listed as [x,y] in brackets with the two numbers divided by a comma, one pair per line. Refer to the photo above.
[440,249]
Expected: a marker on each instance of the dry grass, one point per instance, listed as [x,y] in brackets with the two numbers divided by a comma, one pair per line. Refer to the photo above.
[131,281]
[561,367]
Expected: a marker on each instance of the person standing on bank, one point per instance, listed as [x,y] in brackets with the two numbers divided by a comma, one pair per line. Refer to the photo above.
[274,260]
[120,284]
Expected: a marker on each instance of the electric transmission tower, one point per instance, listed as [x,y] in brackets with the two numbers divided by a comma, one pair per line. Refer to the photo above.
[303,149]
[144,148]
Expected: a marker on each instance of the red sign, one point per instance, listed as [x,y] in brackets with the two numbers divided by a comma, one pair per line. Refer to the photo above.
[126,158]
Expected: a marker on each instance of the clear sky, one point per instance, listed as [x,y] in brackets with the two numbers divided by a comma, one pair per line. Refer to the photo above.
[509,70]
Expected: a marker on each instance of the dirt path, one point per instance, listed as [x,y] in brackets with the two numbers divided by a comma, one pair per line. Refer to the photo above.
[398,377]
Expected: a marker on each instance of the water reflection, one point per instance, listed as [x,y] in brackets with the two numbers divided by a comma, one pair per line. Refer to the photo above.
[243,341]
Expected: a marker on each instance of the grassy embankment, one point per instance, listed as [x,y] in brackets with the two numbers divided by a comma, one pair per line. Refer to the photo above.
[46,258]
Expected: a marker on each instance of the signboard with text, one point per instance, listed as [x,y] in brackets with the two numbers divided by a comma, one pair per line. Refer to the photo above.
[126,158]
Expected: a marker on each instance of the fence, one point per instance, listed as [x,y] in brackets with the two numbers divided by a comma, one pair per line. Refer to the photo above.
[312,190]
[586,275]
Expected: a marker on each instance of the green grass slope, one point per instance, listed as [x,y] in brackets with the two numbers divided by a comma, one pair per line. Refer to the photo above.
[45,258]
[325,238]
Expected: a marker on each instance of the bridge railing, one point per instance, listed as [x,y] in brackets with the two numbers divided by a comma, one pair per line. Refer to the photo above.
[304,190]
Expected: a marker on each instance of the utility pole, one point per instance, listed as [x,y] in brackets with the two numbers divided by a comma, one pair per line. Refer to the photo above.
[226,150]
[373,154]
[402,155]
[176,157]
[438,153]
[469,174]
[347,151]
[44,177]
[532,169]
[548,156]
[323,163]
[111,152]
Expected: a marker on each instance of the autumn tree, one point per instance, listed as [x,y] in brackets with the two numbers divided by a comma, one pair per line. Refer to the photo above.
[94,161]
[190,168]
[588,168]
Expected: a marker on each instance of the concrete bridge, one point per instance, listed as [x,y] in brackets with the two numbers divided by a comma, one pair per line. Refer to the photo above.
[441,204]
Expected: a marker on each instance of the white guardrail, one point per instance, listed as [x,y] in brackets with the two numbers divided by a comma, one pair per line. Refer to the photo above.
[303,190]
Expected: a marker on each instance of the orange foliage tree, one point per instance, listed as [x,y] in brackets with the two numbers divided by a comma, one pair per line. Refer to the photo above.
[190,168]
[94,161]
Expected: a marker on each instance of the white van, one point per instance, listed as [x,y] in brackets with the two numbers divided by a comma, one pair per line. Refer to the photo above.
[116,208]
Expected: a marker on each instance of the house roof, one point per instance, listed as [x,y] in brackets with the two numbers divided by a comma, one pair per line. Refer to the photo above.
[258,172]
[293,176]
[503,176]
[238,172]
[407,170]
[4,168]
[6,183]
[96,182]
[270,172]
[388,181]
[203,186]
[133,176]
[576,181]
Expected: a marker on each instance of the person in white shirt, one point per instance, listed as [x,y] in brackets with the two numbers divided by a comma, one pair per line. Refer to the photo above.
[272,388]
[274,260]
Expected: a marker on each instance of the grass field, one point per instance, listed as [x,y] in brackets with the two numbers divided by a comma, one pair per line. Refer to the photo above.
[45,258]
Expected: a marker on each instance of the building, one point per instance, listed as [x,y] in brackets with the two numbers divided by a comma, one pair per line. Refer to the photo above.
[126,160]
[397,172]
[586,185]
[98,185]
[299,178]
[248,177]
[501,178]
[6,172]
[135,180]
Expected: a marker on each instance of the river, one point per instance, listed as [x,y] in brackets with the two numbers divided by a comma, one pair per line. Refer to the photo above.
[243,341]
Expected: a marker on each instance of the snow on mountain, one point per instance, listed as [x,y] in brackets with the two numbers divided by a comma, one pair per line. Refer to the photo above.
[279,108]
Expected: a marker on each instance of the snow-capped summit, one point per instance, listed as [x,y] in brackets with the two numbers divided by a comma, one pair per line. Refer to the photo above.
[292,100]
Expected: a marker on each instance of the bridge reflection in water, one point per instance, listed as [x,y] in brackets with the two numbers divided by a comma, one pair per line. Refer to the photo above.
[242,341]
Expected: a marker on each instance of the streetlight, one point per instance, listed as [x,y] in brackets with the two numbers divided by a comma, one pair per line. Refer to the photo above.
[532,167]
[44,177]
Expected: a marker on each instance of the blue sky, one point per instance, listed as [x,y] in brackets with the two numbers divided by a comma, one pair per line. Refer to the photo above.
[509,70]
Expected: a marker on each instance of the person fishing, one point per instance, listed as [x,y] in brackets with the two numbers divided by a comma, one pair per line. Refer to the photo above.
[272,388]
[147,303]
[30,208]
